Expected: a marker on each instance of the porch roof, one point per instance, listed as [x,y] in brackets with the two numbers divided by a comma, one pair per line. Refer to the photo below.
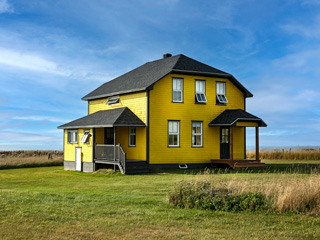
[231,117]
[118,117]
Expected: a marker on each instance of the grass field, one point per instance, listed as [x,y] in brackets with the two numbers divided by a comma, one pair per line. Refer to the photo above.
[21,159]
[49,203]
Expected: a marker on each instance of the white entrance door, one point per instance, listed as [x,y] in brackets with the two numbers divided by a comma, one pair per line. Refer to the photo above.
[78,158]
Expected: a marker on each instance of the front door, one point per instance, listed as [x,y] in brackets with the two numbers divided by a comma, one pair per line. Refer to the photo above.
[224,143]
[78,158]
[109,135]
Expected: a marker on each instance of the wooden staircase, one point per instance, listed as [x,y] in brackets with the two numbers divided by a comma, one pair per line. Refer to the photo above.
[239,164]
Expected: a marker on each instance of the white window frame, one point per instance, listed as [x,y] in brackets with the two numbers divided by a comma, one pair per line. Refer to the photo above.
[113,100]
[174,89]
[69,139]
[194,134]
[200,93]
[174,133]
[86,136]
[221,92]
[132,134]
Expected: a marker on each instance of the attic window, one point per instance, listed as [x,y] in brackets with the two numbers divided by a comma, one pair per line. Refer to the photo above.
[113,100]
[201,91]
[221,93]
[85,137]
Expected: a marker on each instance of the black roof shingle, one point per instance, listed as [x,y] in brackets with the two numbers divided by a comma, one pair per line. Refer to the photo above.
[145,76]
[117,117]
[231,117]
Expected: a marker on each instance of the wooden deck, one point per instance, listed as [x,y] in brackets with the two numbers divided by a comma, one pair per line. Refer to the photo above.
[239,164]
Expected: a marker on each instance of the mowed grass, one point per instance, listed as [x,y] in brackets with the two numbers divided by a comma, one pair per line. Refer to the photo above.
[49,203]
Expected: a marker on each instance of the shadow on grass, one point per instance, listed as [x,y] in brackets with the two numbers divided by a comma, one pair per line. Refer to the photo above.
[31,165]
[303,168]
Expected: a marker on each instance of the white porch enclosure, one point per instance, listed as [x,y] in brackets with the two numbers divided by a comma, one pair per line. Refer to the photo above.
[110,154]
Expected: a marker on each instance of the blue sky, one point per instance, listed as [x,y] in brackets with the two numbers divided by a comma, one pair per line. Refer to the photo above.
[54,52]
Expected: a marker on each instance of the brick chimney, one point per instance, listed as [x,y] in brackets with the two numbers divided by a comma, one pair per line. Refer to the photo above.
[166,55]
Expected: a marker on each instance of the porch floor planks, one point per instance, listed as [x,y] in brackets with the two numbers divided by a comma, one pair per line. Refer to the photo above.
[240,164]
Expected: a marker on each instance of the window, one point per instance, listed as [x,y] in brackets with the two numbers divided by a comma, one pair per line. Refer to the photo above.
[224,135]
[177,90]
[109,135]
[86,136]
[196,134]
[221,93]
[173,133]
[201,91]
[132,136]
[113,100]
[72,136]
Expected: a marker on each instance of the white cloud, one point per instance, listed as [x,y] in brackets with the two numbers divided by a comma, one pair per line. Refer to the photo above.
[41,118]
[29,61]
[5,7]
[16,137]
[308,30]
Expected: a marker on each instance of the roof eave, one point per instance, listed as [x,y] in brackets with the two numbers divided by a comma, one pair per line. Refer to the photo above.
[112,94]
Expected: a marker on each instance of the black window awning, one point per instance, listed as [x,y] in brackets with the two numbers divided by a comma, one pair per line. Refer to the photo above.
[118,117]
[236,117]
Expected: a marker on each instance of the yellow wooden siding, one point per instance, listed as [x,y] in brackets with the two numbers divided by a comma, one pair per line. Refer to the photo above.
[70,149]
[137,102]
[163,109]
[247,124]
[99,138]
[132,153]
[238,142]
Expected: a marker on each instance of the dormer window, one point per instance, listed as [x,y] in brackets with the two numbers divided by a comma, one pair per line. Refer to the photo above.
[201,91]
[177,90]
[113,100]
[221,93]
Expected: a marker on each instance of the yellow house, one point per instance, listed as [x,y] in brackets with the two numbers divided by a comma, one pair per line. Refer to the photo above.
[172,112]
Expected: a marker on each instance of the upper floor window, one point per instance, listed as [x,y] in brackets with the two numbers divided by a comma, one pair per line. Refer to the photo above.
[196,134]
[86,136]
[201,91]
[177,90]
[173,133]
[113,100]
[132,136]
[221,93]
[73,136]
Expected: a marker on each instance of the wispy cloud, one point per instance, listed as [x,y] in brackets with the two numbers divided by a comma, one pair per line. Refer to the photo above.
[5,7]
[16,137]
[29,61]
[41,118]
[308,30]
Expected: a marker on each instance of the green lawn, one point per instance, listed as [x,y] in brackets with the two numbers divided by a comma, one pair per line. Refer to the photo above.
[47,202]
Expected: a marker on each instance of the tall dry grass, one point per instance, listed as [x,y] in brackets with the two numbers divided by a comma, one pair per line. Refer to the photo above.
[19,159]
[287,192]
[302,154]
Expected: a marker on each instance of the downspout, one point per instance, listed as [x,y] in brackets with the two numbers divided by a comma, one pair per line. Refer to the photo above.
[114,148]
[245,133]
[147,129]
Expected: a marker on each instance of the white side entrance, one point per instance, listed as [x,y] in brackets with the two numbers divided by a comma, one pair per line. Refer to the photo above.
[78,158]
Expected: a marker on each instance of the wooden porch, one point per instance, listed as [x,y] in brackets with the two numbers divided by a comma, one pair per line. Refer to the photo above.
[114,155]
[240,164]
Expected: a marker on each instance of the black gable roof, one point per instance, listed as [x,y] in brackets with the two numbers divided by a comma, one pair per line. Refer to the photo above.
[143,77]
[231,117]
[106,118]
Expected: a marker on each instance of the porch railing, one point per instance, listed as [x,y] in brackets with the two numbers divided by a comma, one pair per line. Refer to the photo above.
[111,154]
